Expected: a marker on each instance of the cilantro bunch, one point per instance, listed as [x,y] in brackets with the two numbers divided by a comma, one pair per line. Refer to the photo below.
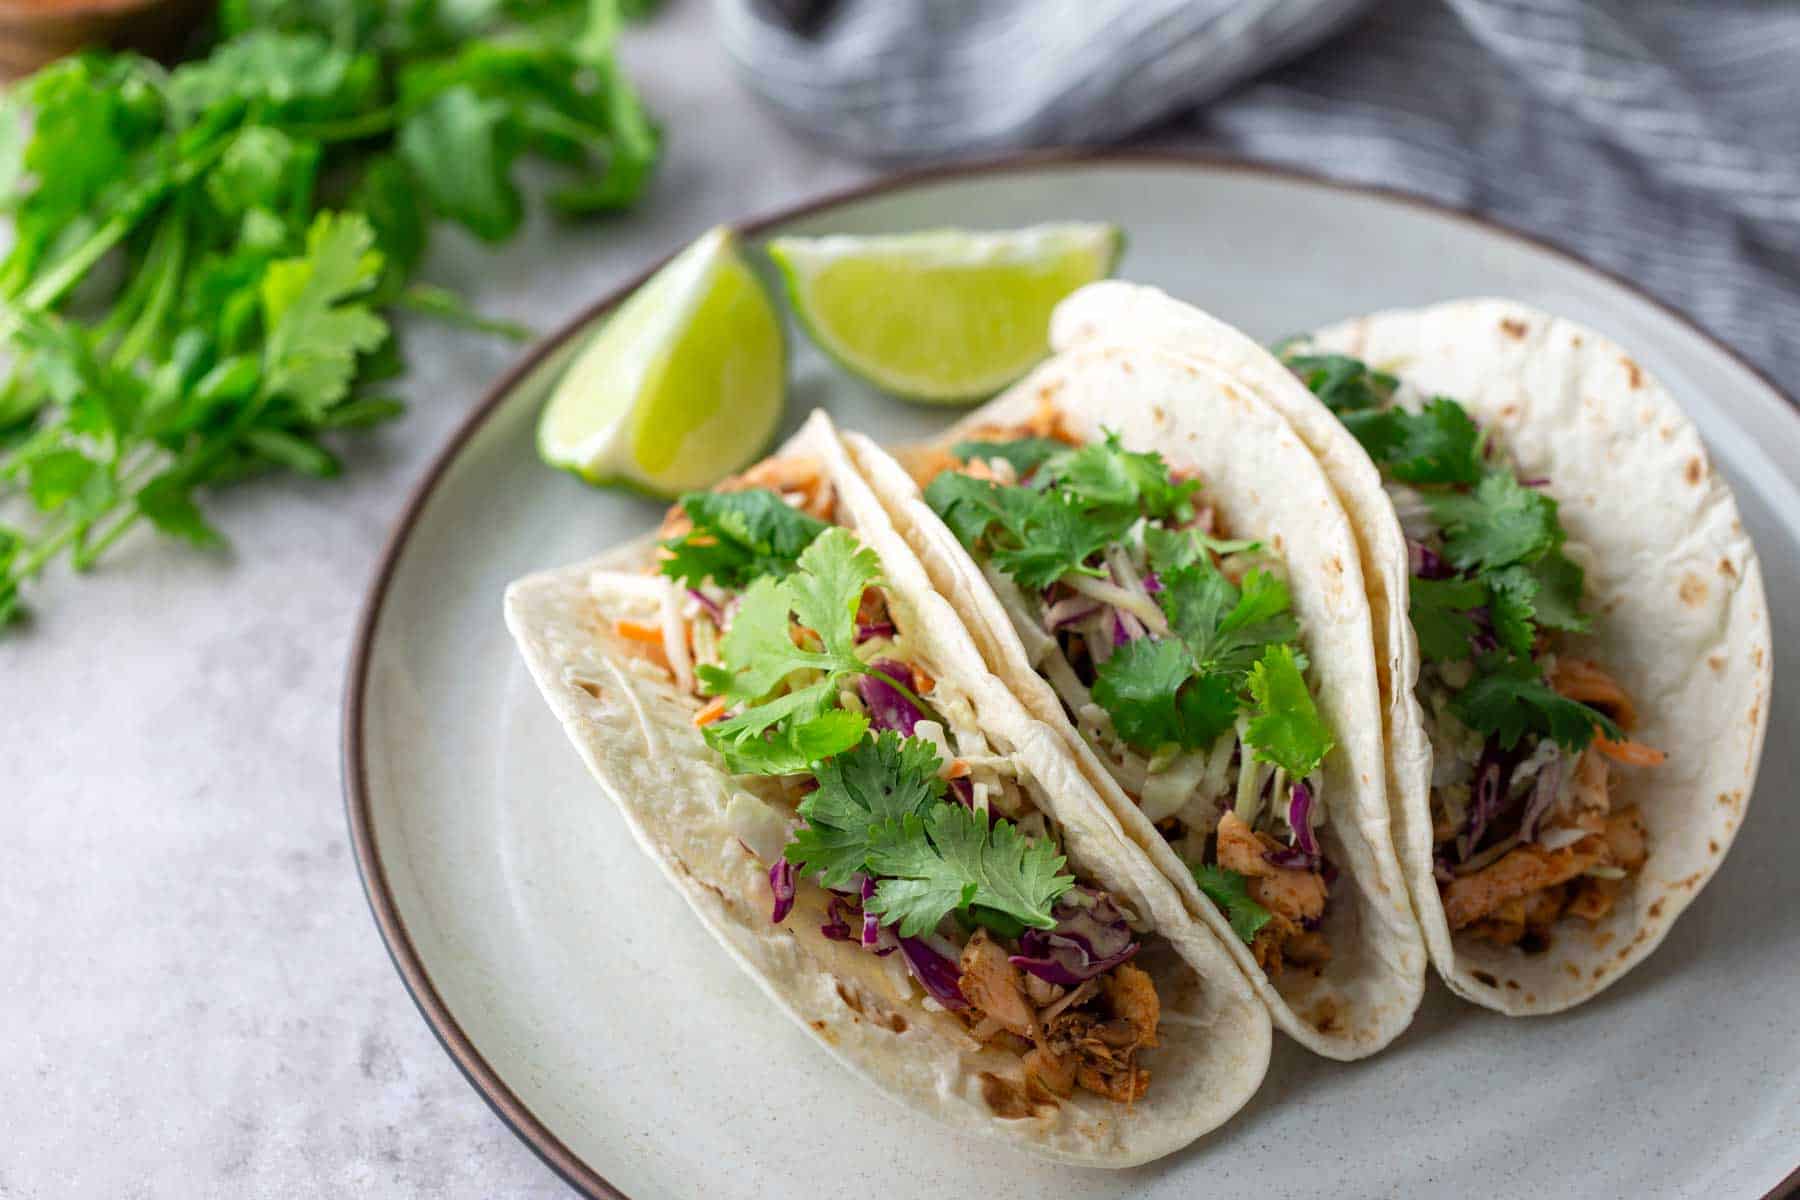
[1508,578]
[202,256]
[1229,648]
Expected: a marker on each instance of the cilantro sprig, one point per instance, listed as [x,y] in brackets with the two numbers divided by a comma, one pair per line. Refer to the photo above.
[738,537]
[780,728]
[265,204]
[879,810]
[1504,539]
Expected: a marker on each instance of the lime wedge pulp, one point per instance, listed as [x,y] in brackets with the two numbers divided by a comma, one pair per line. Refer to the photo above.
[683,385]
[945,316]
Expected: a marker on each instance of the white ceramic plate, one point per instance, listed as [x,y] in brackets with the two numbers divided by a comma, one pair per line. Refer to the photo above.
[582,999]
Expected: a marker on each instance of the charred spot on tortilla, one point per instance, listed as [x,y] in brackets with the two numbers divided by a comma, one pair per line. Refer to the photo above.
[588,686]
[1712,845]
[1692,590]
[1695,471]
[1486,977]
[1632,371]
[1513,328]
[1716,661]
[851,1000]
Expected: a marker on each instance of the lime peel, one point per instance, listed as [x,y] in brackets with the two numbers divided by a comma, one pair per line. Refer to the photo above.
[683,385]
[944,316]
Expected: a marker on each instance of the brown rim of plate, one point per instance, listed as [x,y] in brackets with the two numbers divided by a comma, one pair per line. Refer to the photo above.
[482,1076]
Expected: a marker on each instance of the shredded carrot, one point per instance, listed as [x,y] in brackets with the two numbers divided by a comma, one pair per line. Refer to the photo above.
[715,708]
[639,631]
[1582,679]
[922,683]
[1631,753]
[958,769]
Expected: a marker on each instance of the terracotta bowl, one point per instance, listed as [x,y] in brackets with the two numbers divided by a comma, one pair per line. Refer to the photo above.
[33,32]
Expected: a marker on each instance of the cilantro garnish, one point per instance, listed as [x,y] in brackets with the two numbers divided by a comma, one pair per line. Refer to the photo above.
[1105,475]
[1231,891]
[791,731]
[738,537]
[951,859]
[1186,689]
[1440,616]
[1498,523]
[1025,454]
[1036,537]
[1157,695]
[1505,538]
[1510,699]
[876,783]
[1286,728]
[1345,384]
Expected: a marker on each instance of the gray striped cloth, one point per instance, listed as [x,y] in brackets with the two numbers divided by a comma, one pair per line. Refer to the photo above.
[1659,138]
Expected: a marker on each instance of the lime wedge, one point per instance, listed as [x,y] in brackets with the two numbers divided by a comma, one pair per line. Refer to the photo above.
[681,387]
[946,316]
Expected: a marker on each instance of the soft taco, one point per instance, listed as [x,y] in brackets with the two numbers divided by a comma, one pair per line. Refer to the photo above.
[1576,634]
[799,730]
[1158,566]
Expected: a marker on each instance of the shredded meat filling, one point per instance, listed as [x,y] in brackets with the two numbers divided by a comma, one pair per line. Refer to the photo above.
[1294,896]
[1088,1036]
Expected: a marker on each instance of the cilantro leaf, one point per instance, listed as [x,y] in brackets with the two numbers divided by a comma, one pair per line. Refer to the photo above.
[758,654]
[316,327]
[1231,891]
[1036,537]
[1510,699]
[1025,454]
[1167,549]
[1156,696]
[876,783]
[1439,611]
[1345,384]
[1557,602]
[1498,523]
[1511,595]
[738,537]
[828,585]
[1439,444]
[1227,627]
[1104,474]
[951,859]
[1287,729]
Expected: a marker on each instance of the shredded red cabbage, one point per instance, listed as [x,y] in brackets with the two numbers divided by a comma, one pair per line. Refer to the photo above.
[781,882]
[1426,563]
[1152,583]
[888,707]
[1090,938]
[1292,858]
[873,629]
[837,928]
[938,973]
[1493,780]
[709,604]
[871,928]
[1300,802]
[1549,780]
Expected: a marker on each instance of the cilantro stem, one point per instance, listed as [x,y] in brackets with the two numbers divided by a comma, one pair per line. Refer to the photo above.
[349,129]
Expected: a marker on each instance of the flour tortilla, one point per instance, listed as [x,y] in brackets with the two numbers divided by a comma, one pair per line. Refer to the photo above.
[636,734]
[1266,483]
[1681,619]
